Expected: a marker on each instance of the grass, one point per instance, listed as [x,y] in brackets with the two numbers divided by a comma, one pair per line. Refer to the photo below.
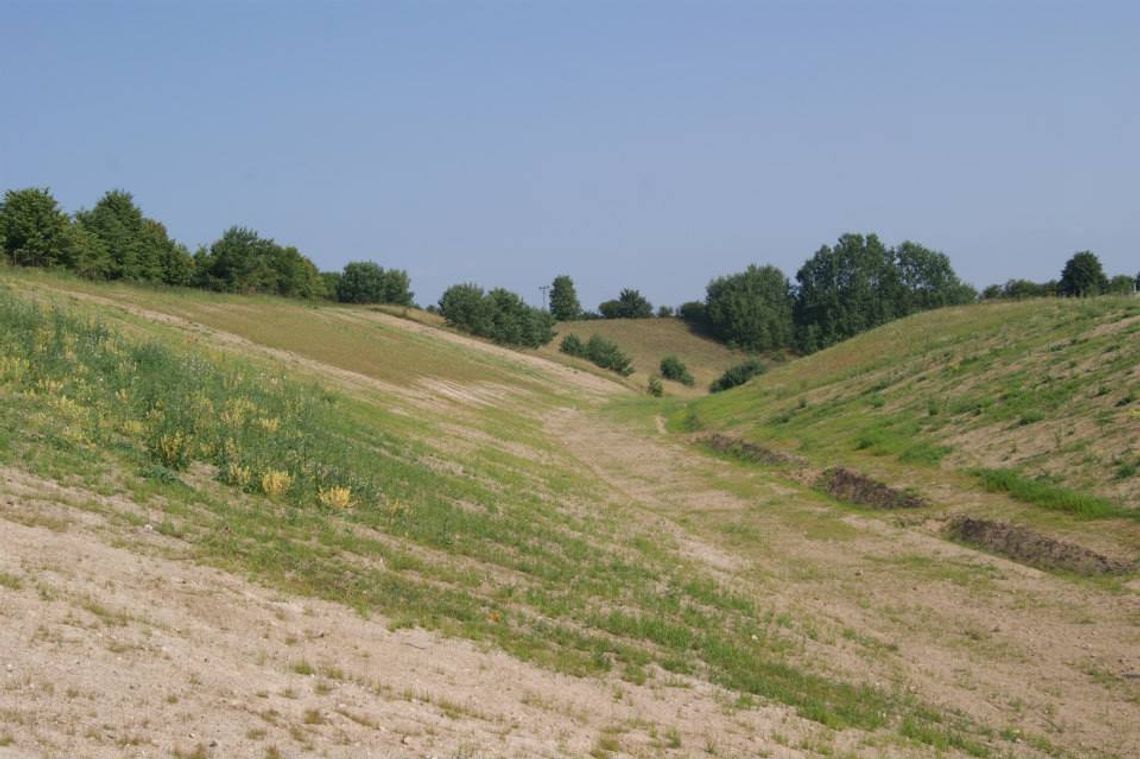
[1029,386]
[647,342]
[464,519]
[75,391]
[1049,496]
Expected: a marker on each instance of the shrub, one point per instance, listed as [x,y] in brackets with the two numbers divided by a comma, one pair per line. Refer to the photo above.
[573,345]
[737,375]
[656,389]
[607,355]
[673,368]
[599,351]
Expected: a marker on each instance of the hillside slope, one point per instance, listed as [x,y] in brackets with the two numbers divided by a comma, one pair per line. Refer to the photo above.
[647,341]
[1047,389]
[296,529]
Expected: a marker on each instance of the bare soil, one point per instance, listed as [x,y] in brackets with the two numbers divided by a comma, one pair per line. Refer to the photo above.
[1029,547]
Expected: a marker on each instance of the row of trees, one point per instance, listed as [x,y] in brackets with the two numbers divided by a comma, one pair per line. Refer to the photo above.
[114,240]
[499,315]
[1082,277]
[842,290]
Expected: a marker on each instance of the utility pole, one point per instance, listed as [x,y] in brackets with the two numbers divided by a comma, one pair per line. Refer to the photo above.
[544,288]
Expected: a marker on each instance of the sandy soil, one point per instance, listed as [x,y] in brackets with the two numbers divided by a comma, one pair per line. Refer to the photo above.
[115,645]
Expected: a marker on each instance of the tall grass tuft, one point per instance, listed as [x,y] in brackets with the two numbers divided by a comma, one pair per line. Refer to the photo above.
[1049,496]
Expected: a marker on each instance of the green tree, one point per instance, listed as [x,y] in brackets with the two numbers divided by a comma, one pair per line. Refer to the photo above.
[175,264]
[33,228]
[243,262]
[564,304]
[85,253]
[361,282]
[1121,284]
[120,224]
[927,280]
[1083,276]
[630,304]
[860,284]
[465,306]
[331,279]
[843,291]
[752,309]
[500,315]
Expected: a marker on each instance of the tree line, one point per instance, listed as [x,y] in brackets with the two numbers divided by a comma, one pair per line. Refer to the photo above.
[114,240]
[842,290]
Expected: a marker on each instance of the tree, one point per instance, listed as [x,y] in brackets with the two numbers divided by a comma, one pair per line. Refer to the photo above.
[1121,284]
[500,315]
[927,280]
[119,223]
[564,304]
[752,309]
[361,282]
[1083,276]
[843,291]
[175,264]
[693,312]
[860,284]
[465,306]
[33,228]
[630,304]
[243,262]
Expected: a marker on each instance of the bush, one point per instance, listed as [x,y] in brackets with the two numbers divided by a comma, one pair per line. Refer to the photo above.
[737,375]
[673,368]
[573,345]
[368,282]
[692,311]
[630,304]
[599,351]
[656,389]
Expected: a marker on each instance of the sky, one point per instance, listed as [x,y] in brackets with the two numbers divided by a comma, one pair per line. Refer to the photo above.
[652,145]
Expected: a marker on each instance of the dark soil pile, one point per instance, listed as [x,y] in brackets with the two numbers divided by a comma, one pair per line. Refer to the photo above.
[1028,547]
[853,487]
[745,451]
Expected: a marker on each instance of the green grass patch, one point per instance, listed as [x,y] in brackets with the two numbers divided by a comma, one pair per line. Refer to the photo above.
[1049,496]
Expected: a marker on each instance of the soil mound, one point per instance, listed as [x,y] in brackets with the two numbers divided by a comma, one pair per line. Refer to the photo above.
[853,487]
[1028,547]
[745,451]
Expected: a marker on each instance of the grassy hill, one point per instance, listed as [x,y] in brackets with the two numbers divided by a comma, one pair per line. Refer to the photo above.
[647,341]
[1041,390]
[487,511]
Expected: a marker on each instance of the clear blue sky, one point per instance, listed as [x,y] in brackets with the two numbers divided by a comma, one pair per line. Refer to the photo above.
[644,144]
